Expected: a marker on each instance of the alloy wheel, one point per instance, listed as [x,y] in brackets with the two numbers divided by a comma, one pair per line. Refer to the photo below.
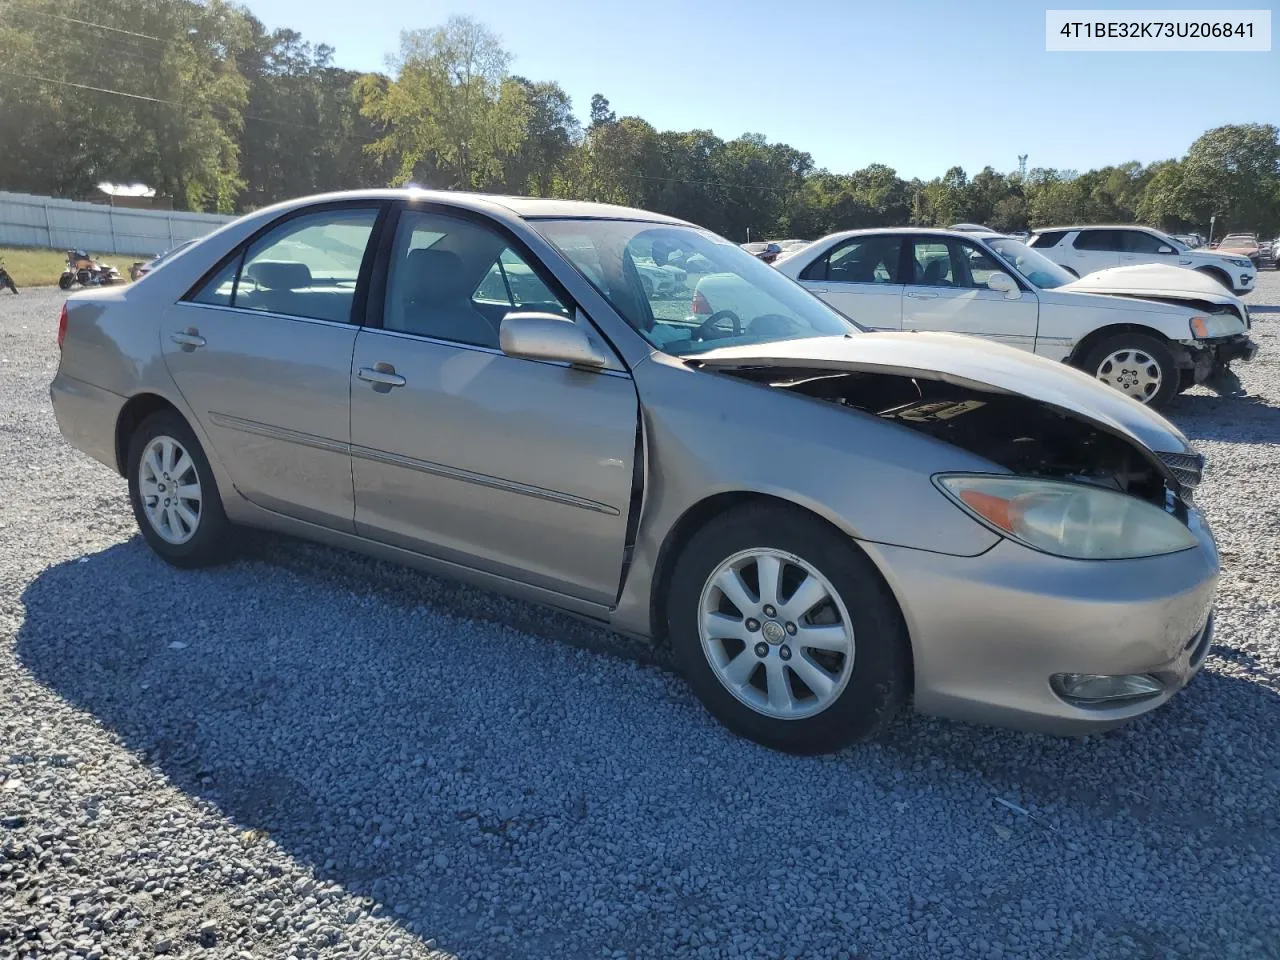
[776,633]
[1132,372]
[170,490]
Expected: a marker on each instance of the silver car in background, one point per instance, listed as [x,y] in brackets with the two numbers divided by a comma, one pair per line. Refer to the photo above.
[825,523]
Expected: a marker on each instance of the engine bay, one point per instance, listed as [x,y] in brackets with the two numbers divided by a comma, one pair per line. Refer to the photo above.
[1024,435]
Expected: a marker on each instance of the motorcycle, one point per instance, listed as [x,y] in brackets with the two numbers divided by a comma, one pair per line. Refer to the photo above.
[86,271]
[6,280]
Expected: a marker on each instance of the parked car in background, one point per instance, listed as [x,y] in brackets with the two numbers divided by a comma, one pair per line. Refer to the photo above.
[1240,245]
[141,268]
[1082,250]
[1189,240]
[824,523]
[993,286]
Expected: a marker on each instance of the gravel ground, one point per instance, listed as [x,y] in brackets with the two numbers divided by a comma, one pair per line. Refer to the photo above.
[306,753]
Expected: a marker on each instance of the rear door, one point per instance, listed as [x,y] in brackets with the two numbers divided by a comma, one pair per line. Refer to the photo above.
[1094,250]
[261,352]
[520,468]
[860,278]
[949,294]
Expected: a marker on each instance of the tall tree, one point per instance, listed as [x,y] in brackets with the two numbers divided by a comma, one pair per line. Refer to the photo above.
[453,116]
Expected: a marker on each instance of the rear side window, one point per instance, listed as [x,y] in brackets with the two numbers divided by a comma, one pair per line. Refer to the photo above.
[219,289]
[866,260]
[1098,240]
[306,267]
[1050,238]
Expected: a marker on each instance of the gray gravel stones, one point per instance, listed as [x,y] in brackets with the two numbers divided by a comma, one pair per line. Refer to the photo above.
[310,754]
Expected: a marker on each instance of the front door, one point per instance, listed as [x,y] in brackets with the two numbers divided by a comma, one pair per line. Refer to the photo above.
[516,467]
[262,355]
[859,277]
[949,293]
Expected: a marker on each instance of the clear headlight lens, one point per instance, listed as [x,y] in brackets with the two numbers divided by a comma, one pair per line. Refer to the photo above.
[1068,519]
[1215,325]
[1240,261]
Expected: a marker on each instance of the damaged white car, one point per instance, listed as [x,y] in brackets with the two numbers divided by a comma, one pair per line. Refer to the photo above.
[1148,331]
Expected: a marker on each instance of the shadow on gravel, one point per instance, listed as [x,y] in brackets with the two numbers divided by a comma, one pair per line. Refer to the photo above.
[301,691]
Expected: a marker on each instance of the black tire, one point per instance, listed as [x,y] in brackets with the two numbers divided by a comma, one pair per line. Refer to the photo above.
[879,683]
[210,543]
[65,281]
[1219,275]
[1170,375]
[1186,380]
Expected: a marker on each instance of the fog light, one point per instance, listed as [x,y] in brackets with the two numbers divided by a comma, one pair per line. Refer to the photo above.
[1095,688]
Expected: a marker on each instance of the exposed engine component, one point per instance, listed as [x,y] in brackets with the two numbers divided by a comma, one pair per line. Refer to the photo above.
[1019,433]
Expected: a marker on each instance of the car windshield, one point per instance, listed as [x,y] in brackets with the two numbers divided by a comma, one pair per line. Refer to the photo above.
[1036,267]
[1237,240]
[687,290]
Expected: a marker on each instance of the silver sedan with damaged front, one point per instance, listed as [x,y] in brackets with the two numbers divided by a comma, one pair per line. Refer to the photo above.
[824,523]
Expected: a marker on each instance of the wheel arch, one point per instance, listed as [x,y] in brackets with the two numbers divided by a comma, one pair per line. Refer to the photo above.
[1218,274]
[1094,337]
[701,513]
[136,409]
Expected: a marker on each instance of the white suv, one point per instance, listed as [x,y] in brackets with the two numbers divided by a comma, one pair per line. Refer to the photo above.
[1082,250]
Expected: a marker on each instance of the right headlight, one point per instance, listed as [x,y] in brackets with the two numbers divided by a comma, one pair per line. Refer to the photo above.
[1067,519]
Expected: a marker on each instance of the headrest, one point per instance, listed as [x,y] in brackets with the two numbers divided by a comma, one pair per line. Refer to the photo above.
[280,274]
[434,276]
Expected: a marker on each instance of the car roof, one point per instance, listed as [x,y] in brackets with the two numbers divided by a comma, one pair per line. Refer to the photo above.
[1098,226]
[529,208]
[932,231]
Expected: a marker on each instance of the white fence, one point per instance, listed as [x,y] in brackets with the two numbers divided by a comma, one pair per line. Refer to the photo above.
[27,220]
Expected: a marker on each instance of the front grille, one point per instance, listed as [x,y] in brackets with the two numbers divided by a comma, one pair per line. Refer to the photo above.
[1187,468]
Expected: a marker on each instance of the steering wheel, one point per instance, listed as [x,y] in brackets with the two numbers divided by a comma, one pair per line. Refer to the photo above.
[707,329]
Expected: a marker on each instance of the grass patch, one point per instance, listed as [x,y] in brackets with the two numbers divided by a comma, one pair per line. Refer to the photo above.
[35,267]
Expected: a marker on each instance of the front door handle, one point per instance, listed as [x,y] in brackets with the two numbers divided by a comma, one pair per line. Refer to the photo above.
[381,375]
[922,296]
[817,289]
[188,340]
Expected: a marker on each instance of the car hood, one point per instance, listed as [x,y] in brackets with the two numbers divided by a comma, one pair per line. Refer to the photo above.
[1156,279]
[968,362]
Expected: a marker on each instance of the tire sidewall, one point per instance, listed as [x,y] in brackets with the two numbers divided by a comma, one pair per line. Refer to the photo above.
[877,687]
[208,544]
[1171,375]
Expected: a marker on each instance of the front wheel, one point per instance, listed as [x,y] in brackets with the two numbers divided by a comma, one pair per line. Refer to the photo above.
[65,281]
[786,632]
[174,495]
[1138,365]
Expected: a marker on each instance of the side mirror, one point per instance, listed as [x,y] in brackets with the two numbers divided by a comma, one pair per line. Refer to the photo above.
[548,336]
[1003,283]
[1164,248]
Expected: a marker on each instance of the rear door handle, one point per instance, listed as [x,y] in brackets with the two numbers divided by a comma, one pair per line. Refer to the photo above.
[381,375]
[922,296]
[191,339]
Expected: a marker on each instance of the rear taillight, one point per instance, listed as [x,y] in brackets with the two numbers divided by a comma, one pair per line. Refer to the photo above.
[700,304]
[62,326]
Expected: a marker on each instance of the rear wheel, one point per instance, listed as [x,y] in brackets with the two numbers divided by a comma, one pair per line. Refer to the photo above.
[174,494]
[786,632]
[1138,365]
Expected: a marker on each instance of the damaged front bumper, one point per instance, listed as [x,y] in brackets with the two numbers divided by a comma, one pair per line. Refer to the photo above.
[1202,358]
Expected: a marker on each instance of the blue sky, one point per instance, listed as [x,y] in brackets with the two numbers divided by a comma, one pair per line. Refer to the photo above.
[916,84]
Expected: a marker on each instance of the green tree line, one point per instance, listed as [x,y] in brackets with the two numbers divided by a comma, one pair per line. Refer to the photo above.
[201,101]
